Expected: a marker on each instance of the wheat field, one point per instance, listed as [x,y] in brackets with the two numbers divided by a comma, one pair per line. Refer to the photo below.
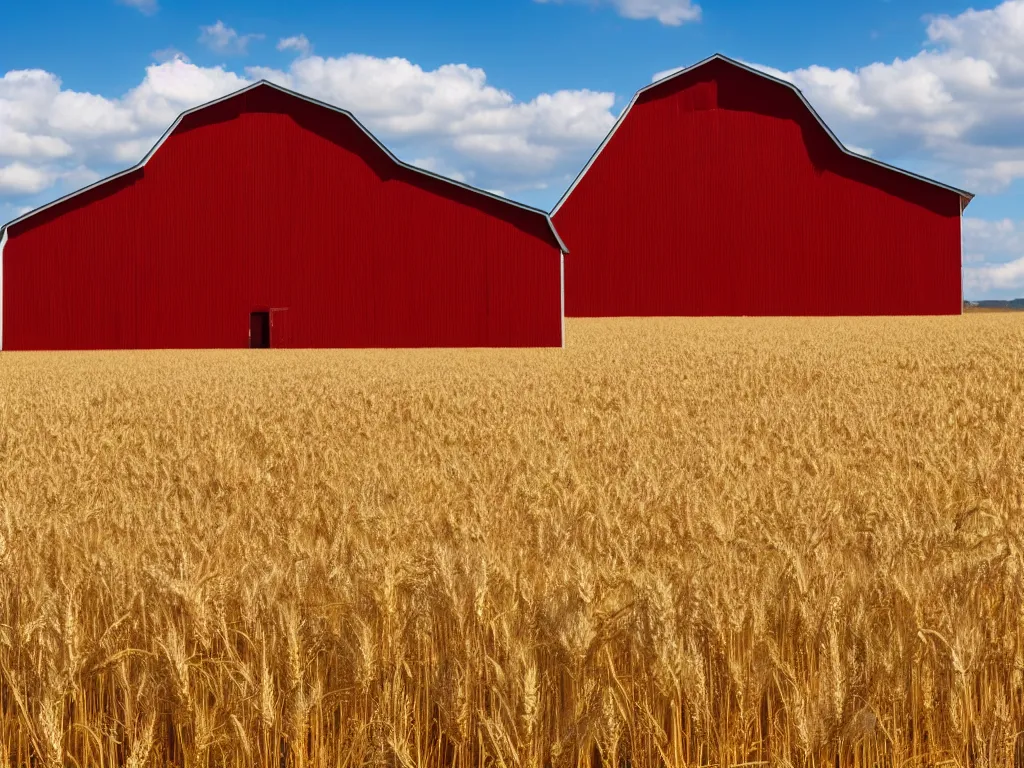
[685,542]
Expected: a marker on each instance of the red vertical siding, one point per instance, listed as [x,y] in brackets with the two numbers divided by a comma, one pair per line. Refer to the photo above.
[268,201]
[721,194]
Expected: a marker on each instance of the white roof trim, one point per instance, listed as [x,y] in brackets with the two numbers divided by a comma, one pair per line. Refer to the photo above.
[966,197]
[311,100]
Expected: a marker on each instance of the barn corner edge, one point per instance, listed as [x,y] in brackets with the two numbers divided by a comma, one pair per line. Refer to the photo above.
[561,279]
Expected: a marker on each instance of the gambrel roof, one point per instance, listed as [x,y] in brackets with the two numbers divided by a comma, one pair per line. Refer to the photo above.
[267,84]
[965,196]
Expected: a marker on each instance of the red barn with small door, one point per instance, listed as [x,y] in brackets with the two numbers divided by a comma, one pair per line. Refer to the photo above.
[720,191]
[269,219]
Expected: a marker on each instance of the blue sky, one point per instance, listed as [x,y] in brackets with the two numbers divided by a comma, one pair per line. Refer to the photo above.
[514,95]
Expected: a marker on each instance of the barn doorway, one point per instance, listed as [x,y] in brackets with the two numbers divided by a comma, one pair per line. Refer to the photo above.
[259,330]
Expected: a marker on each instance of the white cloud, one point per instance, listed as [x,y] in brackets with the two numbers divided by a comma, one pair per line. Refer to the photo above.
[669,12]
[509,152]
[86,115]
[1006,279]
[394,92]
[993,257]
[169,54]
[19,178]
[131,151]
[995,34]
[298,43]
[81,176]
[436,165]
[148,7]
[174,86]
[221,38]
[14,143]
[1001,237]
[55,132]
[1003,280]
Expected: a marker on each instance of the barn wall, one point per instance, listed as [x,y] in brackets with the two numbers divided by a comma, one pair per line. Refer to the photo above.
[267,201]
[720,194]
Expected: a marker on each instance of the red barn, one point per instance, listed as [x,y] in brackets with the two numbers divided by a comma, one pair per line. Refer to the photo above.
[270,219]
[720,191]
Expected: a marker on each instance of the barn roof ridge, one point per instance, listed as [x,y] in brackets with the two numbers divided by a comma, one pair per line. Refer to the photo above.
[263,82]
[965,196]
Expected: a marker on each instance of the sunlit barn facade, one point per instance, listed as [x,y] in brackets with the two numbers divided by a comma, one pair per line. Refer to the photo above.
[720,191]
[269,219]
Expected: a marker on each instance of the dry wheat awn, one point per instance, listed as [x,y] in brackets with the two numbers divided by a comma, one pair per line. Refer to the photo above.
[676,542]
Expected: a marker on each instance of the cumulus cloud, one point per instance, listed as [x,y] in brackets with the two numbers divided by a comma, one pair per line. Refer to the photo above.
[1003,237]
[449,120]
[19,178]
[15,143]
[298,43]
[221,38]
[993,258]
[169,54]
[172,87]
[669,12]
[55,136]
[148,7]
[1005,279]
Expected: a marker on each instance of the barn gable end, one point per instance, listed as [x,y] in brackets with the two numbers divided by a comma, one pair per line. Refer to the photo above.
[719,191]
[266,199]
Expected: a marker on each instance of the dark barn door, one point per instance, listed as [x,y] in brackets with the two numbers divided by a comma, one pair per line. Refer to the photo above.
[259,330]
